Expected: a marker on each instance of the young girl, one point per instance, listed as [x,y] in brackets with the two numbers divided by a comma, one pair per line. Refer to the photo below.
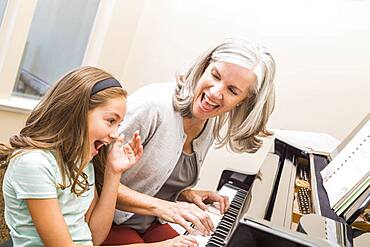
[49,186]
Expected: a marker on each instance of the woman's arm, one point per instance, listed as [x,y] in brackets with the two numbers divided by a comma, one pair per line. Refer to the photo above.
[182,213]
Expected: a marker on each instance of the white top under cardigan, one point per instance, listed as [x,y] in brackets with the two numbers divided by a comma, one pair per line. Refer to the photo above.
[150,110]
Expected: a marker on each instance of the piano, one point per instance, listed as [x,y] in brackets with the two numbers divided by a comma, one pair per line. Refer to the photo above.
[276,205]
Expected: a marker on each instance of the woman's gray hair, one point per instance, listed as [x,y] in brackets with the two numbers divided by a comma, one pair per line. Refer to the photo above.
[247,121]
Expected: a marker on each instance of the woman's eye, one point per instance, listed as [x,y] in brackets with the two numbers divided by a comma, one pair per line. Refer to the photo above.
[215,76]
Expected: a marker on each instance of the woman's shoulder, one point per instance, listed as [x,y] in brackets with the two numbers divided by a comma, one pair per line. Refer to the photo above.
[151,97]
[155,91]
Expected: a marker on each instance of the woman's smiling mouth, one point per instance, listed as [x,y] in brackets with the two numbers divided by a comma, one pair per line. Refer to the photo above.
[207,104]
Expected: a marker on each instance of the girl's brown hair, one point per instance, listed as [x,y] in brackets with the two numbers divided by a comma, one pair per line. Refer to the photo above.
[59,123]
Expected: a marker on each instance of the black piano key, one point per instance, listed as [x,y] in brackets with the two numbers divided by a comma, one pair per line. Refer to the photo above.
[222,235]
[232,210]
[213,244]
[238,199]
[227,223]
[224,228]
[228,220]
[233,214]
[217,239]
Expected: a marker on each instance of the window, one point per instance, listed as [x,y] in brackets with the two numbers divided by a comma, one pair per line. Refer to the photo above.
[2,9]
[56,44]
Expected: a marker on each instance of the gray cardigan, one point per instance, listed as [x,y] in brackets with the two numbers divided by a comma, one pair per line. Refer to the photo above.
[150,110]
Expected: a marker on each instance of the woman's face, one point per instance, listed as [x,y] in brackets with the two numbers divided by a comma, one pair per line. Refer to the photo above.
[221,87]
[103,123]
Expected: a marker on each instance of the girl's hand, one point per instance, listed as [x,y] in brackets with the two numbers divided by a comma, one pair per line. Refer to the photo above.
[122,156]
[181,241]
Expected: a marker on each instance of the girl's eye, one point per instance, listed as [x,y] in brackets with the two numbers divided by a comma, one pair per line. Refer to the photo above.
[232,90]
[111,121]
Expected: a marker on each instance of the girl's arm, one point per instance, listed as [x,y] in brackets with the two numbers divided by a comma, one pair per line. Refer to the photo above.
[53,230]
[101,212]
[50,226]
[120,158]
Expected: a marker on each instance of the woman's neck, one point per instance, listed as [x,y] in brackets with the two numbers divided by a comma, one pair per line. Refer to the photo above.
[193,127]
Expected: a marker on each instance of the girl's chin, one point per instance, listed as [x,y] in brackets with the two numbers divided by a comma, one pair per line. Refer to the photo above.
[94,152]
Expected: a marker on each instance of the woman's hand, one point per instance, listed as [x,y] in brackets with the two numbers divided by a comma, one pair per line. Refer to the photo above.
[180,241]
[122,156]
[201,197]
[185,214]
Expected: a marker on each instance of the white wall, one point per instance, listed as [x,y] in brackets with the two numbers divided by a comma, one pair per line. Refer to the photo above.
[320,46]
[321,50]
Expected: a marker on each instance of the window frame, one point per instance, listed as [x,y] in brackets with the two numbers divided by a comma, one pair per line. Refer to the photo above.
[14,29]
[102,49]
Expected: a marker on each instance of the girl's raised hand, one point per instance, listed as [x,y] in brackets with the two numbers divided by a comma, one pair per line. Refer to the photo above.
[123,156]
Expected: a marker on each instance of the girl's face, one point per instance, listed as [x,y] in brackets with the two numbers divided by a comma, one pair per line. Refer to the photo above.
[103,123]
[221,87]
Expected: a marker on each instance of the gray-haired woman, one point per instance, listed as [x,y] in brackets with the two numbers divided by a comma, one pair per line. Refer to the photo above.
[231,87]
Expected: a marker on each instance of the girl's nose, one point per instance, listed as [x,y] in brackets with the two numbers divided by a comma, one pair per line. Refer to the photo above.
[114,135]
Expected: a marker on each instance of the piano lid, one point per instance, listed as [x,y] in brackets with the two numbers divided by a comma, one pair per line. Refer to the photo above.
[310,142]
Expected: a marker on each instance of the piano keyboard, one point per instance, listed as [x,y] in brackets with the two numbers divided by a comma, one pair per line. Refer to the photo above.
[226,222]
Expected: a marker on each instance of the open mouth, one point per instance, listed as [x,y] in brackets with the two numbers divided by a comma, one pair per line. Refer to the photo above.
[98,144]
[207,104]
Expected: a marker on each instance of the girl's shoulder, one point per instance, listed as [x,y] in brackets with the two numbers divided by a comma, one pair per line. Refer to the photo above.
[35,166]
[35,156]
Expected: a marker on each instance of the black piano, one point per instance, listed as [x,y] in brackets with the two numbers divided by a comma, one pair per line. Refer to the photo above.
[285,204]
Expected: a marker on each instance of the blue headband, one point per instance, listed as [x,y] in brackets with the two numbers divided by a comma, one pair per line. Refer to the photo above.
[104,84]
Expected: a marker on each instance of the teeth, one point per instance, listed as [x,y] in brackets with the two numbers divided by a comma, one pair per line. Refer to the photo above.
[209,101]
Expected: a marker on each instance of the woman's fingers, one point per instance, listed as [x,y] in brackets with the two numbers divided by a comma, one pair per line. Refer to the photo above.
[211,197]
[201,220]
[178,219]
[226,203]
[199,202]
[223,202]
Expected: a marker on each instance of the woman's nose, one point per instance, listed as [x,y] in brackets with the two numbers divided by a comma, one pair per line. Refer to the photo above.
[216,90]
